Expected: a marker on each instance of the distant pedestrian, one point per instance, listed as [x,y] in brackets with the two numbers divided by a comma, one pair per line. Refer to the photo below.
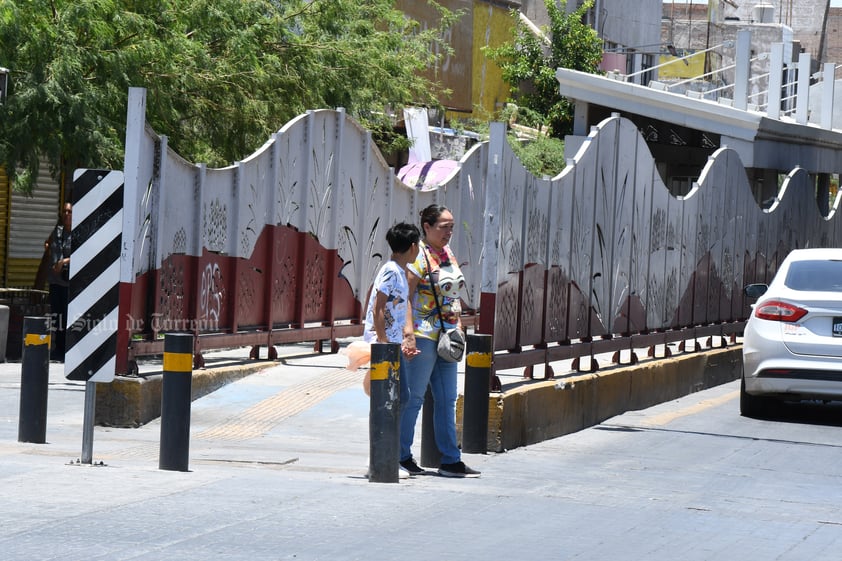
[58,277]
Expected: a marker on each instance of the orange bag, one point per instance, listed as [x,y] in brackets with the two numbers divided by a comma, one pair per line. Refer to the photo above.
[359,354]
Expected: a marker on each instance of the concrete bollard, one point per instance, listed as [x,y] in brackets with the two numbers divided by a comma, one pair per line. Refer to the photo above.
[479,355]
[35,380]
[175,402]
[384,414]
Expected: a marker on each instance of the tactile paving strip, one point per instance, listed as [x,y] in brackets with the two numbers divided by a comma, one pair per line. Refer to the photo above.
[263,416]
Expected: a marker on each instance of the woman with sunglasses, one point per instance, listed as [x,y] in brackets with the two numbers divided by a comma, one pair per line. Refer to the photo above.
[435,264]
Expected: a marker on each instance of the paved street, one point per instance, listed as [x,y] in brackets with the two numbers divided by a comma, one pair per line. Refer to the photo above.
[277,464]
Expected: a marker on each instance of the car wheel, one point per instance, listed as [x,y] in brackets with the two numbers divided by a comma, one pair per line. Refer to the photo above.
[754,405]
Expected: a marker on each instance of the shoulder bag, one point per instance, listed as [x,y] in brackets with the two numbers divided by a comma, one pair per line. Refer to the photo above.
[451,345]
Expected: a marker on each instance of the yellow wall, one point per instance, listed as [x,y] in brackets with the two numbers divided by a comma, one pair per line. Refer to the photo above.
[492,27]
[695,67]
[21,273]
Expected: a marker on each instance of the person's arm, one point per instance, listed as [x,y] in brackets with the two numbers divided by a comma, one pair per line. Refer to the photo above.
[57,260]
[60,264]
[459,315]
[41,276]
[379,317]
[409,348]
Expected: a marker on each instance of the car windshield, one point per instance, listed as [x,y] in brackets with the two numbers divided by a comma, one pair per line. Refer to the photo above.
[825,276]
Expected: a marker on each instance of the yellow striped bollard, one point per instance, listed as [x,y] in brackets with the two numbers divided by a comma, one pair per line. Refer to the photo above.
[34,380]
[175,401]
[384,414]
[478,359]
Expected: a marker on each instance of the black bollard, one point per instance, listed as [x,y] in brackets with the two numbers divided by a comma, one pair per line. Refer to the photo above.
[175,401]
[34,380]
[430,454]
[384,414]
[478,359]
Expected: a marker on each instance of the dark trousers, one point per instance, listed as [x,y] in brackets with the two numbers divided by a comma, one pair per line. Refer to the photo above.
[58,320]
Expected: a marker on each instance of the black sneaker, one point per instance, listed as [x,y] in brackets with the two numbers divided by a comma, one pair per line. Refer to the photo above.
[459,469]
[412,468]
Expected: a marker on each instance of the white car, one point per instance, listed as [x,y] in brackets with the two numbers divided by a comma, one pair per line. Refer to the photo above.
[792,344]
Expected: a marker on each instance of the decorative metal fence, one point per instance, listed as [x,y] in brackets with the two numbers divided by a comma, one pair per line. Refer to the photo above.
[283,246]
[603,258]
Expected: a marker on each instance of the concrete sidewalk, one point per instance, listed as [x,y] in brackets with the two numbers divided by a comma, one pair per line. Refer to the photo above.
[277,471]
[224,423]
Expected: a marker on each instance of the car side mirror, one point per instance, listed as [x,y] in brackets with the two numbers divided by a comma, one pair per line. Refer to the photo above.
[755,290]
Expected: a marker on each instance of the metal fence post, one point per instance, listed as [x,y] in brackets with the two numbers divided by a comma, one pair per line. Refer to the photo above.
[477,387]
[34,380]
[175,401]
[384,415]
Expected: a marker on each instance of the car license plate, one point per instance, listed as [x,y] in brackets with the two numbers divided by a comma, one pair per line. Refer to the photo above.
[837,327]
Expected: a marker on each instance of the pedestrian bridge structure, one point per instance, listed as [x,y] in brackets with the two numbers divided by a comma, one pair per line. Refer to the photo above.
[614,255]
[777,117]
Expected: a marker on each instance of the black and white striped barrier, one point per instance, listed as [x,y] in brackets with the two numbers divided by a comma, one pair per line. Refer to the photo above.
[93,301]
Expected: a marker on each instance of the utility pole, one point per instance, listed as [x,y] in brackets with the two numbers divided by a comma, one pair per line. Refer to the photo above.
[4,83]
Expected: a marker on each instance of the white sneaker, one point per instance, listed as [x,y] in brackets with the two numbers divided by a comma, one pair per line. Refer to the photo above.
[401,474]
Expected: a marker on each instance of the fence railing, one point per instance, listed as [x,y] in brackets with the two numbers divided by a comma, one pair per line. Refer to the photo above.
[773,81]
[284,245]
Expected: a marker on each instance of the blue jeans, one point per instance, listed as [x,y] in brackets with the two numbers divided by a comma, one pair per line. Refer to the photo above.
[425,369]
[404,385]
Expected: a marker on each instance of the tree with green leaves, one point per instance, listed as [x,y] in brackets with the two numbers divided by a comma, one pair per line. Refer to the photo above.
[221,75]
[530,60]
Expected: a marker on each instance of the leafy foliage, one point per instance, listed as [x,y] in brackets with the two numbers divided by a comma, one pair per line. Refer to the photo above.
[529,63]
[543,155]
[221,75]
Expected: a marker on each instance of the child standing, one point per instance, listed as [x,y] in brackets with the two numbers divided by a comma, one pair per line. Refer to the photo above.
[388,303]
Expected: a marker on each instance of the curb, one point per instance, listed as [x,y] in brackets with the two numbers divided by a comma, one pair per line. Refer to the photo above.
[527,414]
[132,401]
[539,411]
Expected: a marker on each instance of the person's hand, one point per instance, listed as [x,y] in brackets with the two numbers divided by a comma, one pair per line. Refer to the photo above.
[408,347]
[61,264]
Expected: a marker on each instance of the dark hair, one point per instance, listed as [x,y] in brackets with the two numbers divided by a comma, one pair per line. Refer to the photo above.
[401,236]
[431,214]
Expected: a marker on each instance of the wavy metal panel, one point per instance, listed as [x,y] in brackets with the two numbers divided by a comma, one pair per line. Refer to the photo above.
[293,235]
